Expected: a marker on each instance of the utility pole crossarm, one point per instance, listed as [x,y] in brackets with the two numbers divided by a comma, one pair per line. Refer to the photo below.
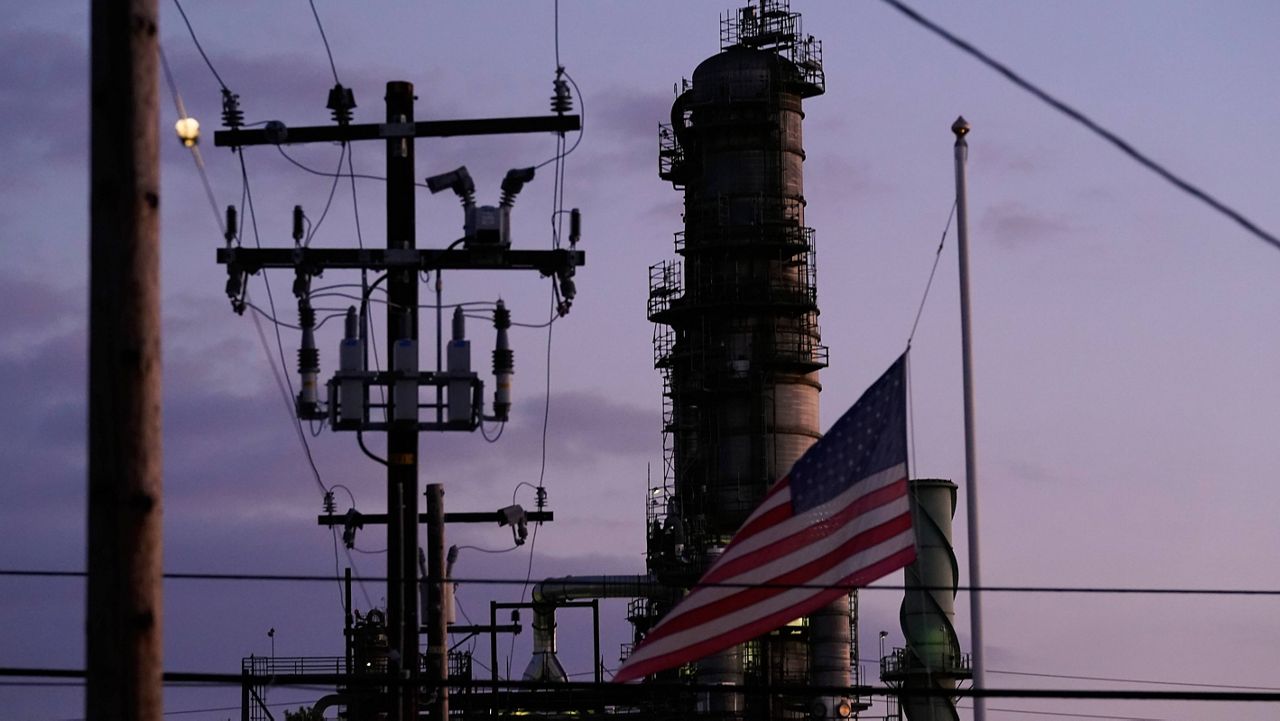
[373,519]
[546,262]
[281,134]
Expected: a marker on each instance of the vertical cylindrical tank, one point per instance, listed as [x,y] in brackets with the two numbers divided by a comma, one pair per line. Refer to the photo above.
[747,281]
[932,658]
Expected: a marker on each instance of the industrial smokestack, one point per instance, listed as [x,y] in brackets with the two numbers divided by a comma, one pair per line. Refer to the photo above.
[932,658]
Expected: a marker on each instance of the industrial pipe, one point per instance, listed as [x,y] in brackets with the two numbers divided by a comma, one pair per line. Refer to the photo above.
[544,666]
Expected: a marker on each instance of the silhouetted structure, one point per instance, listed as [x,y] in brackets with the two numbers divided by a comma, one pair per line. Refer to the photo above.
[737,339]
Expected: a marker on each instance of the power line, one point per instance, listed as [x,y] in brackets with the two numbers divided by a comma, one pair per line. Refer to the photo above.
[1064,714]
[196,157]
[326,174]
[196,40]
[488,550]
[1109,679]
[1058,590]
[557,216]
[1120,143]
[333,313]
[1114,679]
[325,38]
[297,422]
[247,198]
[556,23]
[172,678]
[311,232]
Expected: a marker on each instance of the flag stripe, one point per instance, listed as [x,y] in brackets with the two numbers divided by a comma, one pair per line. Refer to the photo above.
[744,542]
[742,616]
[851,537]
[805,573]
[775,545]
[776,505]
[640,667]
[772,517]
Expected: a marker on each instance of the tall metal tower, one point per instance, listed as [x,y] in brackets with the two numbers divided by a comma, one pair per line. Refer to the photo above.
[736,335]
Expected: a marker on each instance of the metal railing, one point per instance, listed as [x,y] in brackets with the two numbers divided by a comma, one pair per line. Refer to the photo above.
[670,153]
[744,210]
[665,284]
[296,665]
[773,26]
[799,346]
[784,238]
[900,662]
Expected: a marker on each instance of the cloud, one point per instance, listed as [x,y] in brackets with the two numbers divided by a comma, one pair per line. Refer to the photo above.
[1024,470]
[584,428]
[620,139]
[1007,159]
[44,456]
[42,108]
[838,176]
[1014,224]
[631,117]
[35,312]
[45,378]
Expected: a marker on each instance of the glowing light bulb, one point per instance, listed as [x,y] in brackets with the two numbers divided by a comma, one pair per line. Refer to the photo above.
[188,131]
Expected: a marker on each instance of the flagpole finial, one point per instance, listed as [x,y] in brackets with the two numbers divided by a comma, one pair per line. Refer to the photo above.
[960,127]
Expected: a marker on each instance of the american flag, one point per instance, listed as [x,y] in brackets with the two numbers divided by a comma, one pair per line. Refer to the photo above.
[837,521]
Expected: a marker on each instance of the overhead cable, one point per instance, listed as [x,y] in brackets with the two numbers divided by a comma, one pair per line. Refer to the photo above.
[196,157]
[325,38]
[373,680]
[1120,143]
[196,40]
[1057,590]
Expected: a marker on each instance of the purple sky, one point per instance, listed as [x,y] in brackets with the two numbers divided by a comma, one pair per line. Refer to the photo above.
[1125,335]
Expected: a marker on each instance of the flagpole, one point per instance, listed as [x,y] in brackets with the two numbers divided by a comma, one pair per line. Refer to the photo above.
[961,129]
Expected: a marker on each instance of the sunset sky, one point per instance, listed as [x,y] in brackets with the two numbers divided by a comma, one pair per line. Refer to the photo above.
[1126,341]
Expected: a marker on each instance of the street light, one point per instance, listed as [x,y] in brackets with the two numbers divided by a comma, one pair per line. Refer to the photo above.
[188,130]
[271,634]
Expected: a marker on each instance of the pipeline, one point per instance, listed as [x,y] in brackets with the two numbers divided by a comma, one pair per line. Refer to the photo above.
[544,666]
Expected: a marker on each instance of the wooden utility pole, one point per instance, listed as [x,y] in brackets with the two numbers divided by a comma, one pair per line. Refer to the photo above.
[438,622]
[123,615]
[402,436]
